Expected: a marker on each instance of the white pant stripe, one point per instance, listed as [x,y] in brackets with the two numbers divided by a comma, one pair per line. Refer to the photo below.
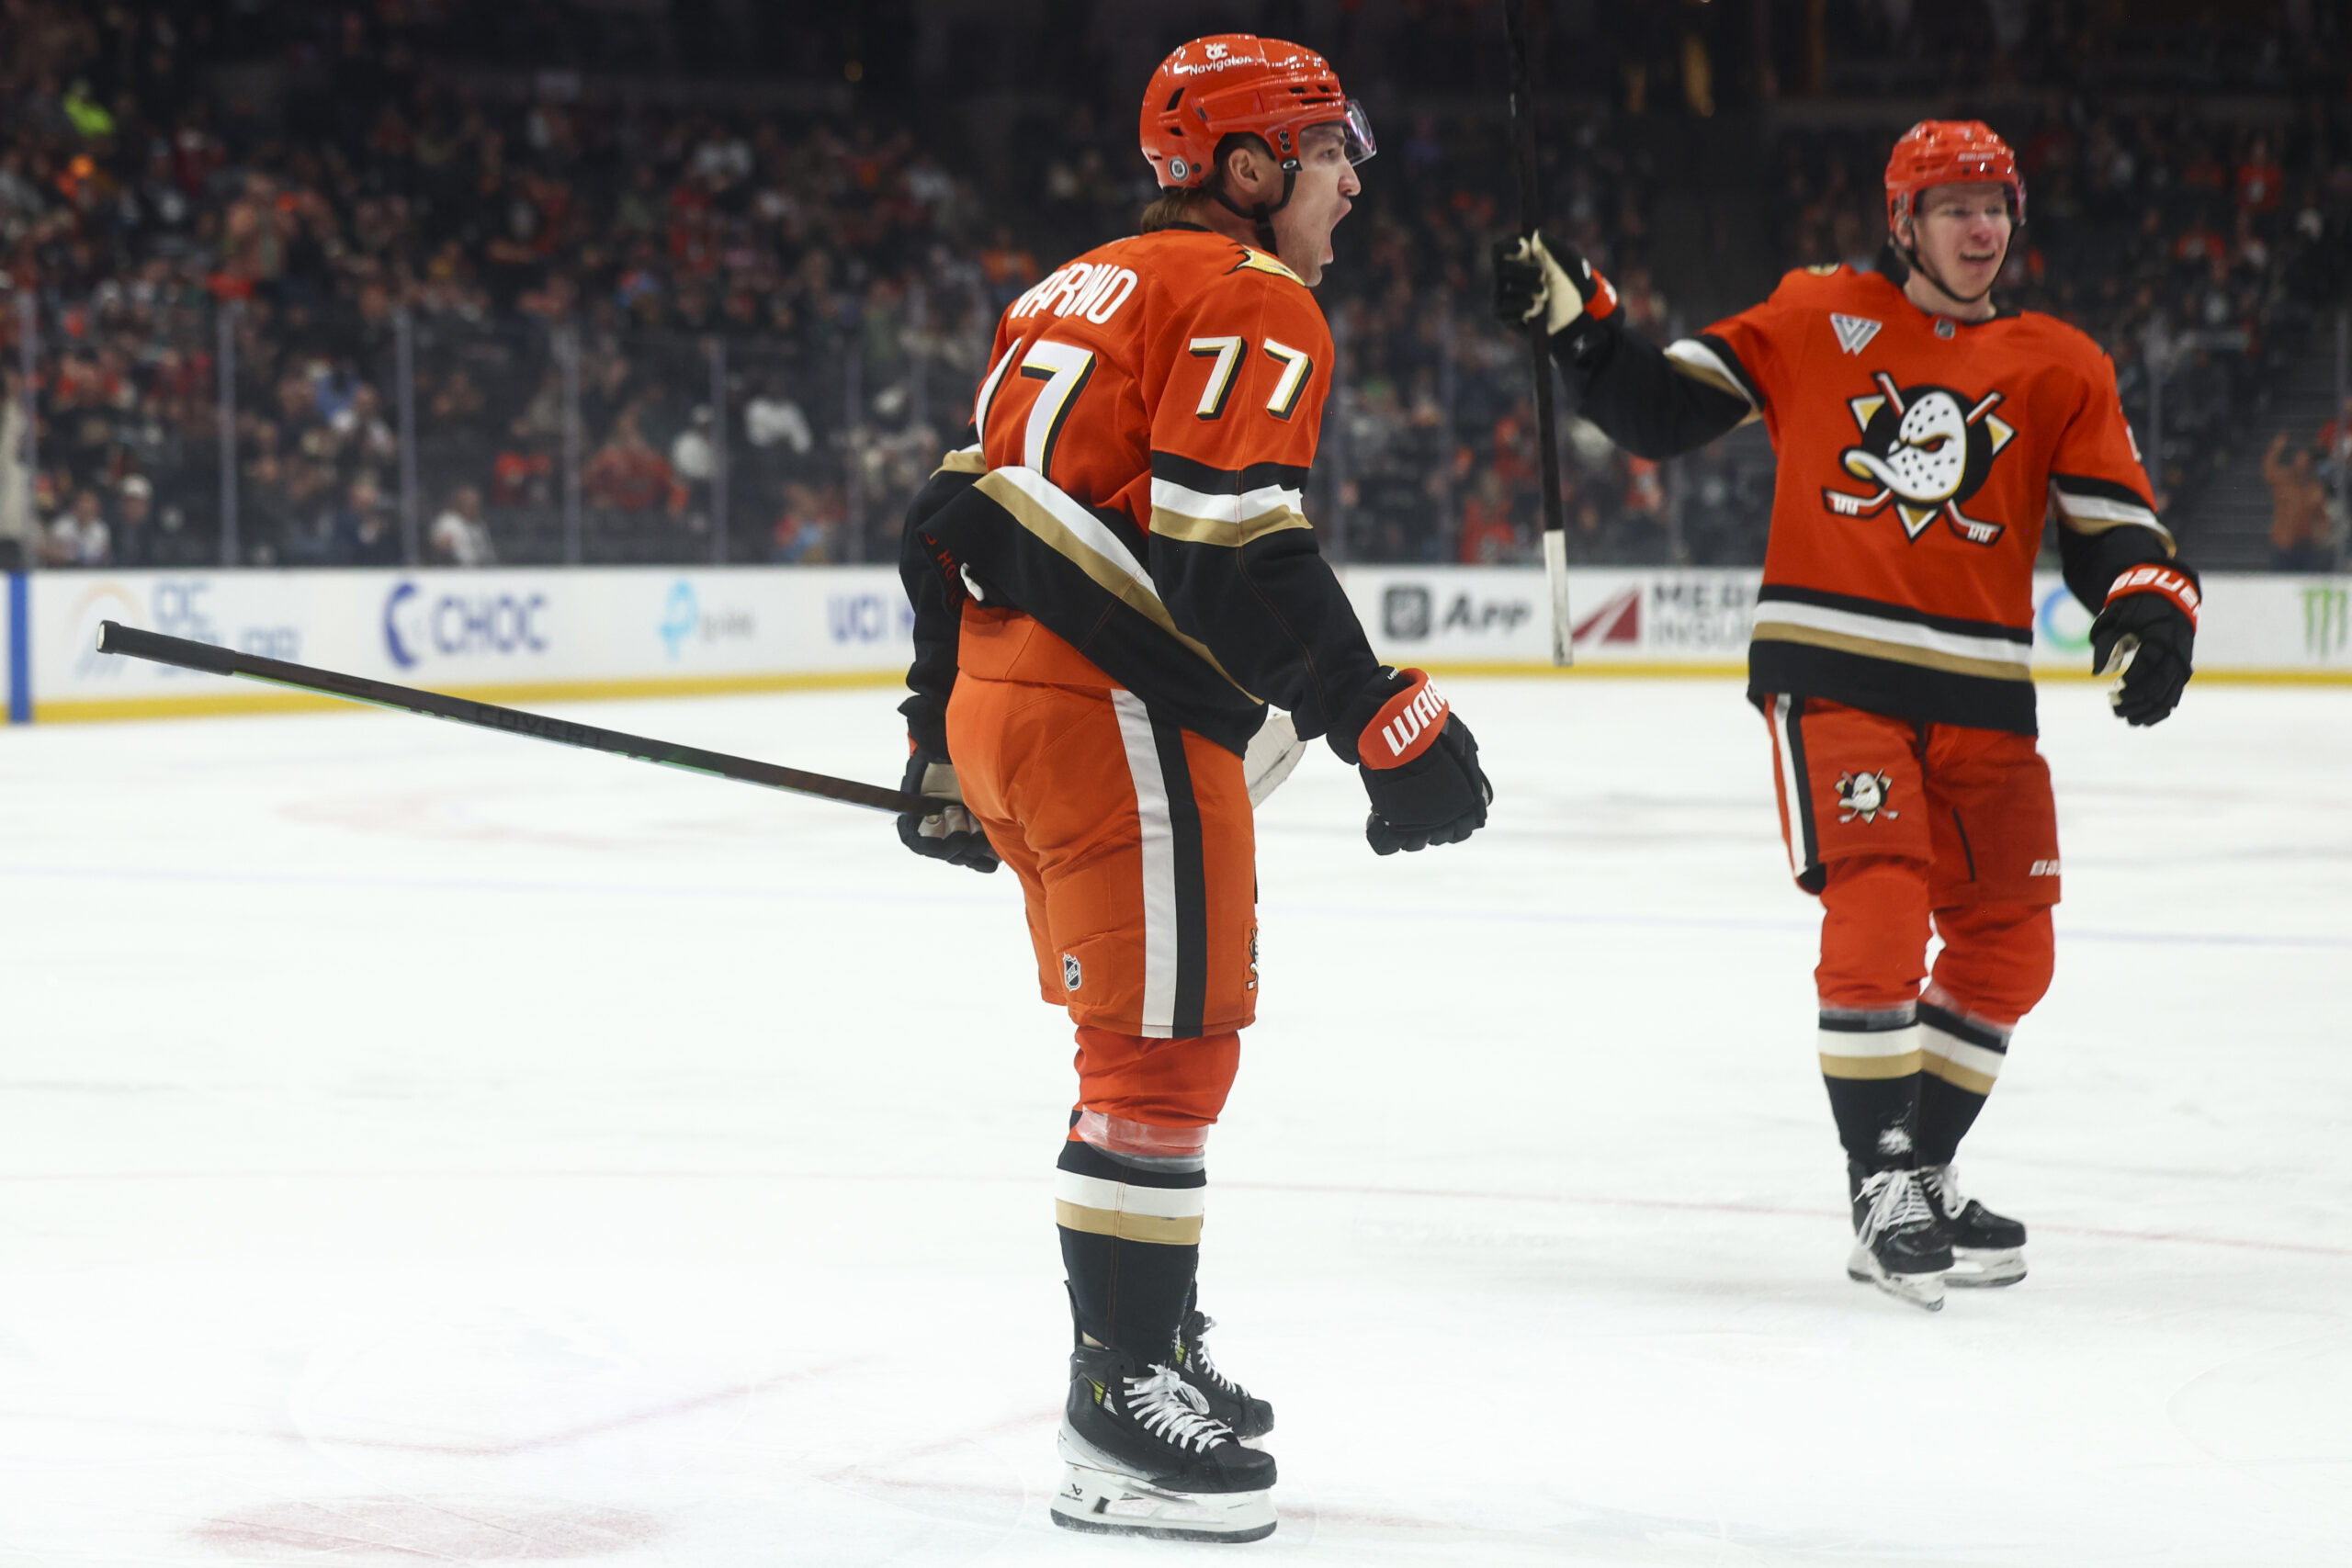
[1159,930]
[1792,794]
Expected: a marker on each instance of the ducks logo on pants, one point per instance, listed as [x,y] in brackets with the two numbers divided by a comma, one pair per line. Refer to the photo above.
[1926,450]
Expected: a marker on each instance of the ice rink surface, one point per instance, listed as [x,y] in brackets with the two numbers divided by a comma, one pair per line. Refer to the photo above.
[427,1146]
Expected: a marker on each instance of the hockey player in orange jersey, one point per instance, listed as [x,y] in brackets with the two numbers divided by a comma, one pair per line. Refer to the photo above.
[1113,577]
[1922,434]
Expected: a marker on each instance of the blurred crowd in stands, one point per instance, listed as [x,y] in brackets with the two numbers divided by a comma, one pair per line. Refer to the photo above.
[628,332]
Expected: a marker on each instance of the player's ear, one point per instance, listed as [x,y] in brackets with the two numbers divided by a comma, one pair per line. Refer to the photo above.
[1247,161]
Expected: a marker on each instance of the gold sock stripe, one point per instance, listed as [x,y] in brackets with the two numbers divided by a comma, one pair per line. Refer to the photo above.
[1184,1232]
[1898,1066]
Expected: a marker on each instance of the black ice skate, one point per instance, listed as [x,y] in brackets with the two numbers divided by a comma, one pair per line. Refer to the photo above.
[1898,1246]
[1249,1416]
[1147,1458]
[1986,1248]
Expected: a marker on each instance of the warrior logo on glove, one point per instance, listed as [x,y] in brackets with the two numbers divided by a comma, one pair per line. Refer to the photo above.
[1864,795]
[1408,725]
[1928,449]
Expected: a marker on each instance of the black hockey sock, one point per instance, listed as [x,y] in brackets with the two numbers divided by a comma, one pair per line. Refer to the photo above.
[1962,1056]
[1131,1241]
[1870,1063]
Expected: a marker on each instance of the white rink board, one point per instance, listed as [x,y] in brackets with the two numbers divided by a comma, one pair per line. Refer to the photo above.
[591,632]
[582,627]
[2251,624]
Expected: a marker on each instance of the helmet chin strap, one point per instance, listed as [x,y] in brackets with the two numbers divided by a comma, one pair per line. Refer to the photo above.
[1263,214]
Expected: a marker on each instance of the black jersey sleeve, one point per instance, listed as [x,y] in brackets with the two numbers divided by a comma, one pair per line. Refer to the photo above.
[1239,570]
[932,577]
[1648,402]
[2091,562]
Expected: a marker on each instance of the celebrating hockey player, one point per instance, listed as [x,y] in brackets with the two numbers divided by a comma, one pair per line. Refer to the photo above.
[1112,582]
[1922,434]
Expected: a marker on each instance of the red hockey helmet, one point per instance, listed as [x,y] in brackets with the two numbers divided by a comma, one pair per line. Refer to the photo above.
[1949,152]
[1234,82]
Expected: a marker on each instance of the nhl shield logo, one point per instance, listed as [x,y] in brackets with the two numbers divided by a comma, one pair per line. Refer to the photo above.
[1864,795]
[1072,976]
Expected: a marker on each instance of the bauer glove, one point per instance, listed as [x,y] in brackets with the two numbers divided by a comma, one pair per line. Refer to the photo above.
[1575,307]
[2146,633]
[952,833]
[1420,766]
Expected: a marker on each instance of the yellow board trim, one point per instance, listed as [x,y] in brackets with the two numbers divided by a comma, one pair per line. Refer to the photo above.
[280,701]
[234,702]
[1468,669]
[1658,669]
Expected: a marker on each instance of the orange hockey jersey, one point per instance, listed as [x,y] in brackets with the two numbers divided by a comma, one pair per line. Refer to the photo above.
[1133,484]
[1918,457]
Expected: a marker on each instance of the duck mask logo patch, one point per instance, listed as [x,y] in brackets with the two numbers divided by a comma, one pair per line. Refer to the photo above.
[1925,450]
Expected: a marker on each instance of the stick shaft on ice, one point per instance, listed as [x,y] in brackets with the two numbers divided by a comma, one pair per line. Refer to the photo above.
[131,641]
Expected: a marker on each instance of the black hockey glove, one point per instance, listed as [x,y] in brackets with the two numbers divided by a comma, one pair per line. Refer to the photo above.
[952,833]
[2148,632]
[1570,302]
[1420,766]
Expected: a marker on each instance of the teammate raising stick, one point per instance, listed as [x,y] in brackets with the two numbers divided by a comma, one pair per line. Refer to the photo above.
[1922,434]
[1111,580]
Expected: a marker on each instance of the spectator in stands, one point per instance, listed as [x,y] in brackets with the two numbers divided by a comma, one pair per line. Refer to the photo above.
[627,474]
[459,536]
[694,458]
[19,540]
[362,532]
[2300,526]
[80,536]
[134,508]
[2334,444]
[1488,538]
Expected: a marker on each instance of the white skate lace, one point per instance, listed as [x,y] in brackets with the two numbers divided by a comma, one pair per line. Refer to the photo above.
[1896,1200]
[1163,1404]
[1203,1363]
[1942,1185]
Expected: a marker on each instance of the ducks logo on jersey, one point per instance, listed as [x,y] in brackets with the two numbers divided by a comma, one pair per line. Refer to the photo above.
[1928,449]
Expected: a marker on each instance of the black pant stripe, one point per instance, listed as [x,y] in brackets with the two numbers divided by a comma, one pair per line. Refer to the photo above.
[1801,788]
[1192,882]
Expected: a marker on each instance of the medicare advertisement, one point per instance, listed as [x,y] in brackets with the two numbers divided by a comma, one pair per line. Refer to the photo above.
[594,632]
[1681,620]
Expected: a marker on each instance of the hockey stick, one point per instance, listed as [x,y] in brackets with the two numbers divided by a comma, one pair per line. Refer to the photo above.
[1531,220]
[115,637]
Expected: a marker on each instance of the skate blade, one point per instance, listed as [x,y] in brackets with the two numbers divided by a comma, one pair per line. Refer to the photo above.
[1102,1502]
[1983,1269]
[1926,1290]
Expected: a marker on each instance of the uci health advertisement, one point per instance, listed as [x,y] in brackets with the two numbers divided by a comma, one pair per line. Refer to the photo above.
[586,632]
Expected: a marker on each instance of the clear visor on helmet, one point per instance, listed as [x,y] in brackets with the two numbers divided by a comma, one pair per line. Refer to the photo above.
[1357,128]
